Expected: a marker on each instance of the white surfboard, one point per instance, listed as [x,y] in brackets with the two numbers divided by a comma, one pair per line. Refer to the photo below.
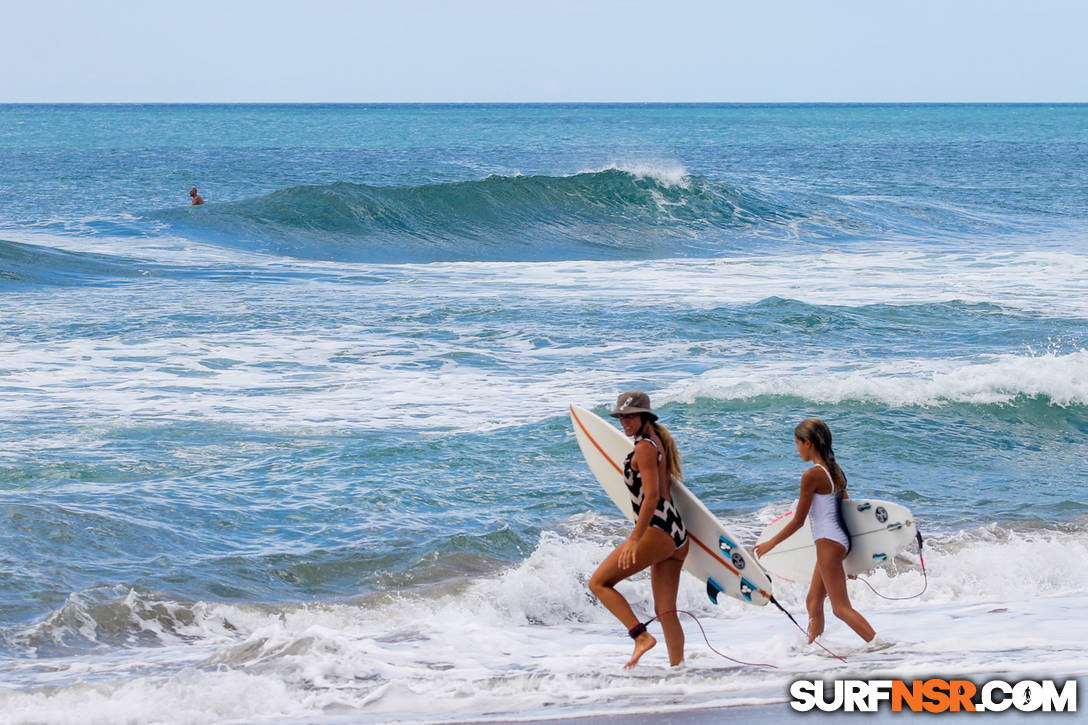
[715,555]
[878,531]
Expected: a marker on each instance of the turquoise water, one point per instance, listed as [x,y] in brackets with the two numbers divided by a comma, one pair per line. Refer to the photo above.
[341,385]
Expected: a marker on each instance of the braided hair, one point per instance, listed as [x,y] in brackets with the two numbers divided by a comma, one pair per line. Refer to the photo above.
[816,432]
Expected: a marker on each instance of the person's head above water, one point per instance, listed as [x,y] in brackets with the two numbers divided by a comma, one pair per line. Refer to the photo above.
[192,192]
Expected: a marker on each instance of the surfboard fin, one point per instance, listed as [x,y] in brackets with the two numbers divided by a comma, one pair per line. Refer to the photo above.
[713,589]
[730,549]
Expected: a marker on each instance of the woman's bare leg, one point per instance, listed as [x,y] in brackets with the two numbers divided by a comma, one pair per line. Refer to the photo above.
[654,546]
[665,578]
[829,556]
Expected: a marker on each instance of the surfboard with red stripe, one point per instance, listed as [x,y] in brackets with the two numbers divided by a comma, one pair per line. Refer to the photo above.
[715,556]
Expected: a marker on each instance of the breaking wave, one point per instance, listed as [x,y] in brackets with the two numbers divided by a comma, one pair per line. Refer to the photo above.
[606,214]
[1048,379]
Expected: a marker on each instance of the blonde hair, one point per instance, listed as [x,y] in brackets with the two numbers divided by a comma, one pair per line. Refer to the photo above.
[672,454]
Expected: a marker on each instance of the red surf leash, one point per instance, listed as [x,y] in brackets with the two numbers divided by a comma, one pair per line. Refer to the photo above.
[739,662]
[825,649]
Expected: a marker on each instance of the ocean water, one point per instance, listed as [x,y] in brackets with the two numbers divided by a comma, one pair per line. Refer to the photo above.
[302,454]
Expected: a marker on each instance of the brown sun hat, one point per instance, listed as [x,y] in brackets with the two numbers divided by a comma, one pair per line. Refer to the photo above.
[633,401]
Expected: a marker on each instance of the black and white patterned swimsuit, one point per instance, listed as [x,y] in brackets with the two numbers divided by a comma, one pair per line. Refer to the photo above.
[665,517]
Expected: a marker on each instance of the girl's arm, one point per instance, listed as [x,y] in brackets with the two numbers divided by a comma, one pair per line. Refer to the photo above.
[646,460]
[804,503]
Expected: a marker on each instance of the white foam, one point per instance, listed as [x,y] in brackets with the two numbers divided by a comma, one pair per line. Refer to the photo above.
[991,379]
[351,375]
[359,378]
[530,641]
[1051,281]
[261,378]
[668,173]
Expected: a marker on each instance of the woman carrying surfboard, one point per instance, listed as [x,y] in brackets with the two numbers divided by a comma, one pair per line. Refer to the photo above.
[659,540]
[822,489]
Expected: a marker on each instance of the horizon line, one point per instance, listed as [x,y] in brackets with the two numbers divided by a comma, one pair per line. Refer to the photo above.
[543,103]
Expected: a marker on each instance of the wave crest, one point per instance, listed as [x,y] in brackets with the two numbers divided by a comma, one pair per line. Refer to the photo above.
[1054,379]
[110,617]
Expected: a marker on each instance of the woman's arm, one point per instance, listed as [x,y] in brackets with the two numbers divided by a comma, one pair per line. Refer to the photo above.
[804,503]
[646,461]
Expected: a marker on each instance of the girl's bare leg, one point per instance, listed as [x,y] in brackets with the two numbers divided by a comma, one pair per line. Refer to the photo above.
[665,577]
[654,546]
[814,602]
[829,556]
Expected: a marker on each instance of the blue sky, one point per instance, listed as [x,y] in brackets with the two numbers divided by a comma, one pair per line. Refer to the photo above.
[549,50]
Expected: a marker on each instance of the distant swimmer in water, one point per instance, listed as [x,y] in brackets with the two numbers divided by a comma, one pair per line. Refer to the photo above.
[823,487]
[659,540]
[197,198]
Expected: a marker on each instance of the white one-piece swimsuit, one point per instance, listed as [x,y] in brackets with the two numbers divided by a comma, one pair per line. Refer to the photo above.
[823,516]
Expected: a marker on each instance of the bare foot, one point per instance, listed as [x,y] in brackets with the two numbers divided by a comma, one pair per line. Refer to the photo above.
[815,628]
[876,644]
[643,644]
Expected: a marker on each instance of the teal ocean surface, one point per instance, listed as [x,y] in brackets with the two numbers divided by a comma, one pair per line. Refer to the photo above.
[302,454]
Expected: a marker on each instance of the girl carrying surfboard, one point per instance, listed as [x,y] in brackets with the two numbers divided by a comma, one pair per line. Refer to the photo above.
[659,540]
[822,489]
